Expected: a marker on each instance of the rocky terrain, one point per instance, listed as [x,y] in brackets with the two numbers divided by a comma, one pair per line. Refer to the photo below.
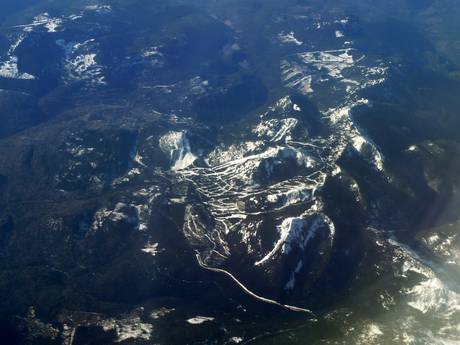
[233,172]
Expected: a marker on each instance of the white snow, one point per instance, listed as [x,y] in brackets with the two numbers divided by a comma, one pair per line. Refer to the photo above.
[342,21]
[9,69]
[197,320]
[275,130]
[52,24]
[289,38]
[374,330]
[291,282]
[134,171]
[342,118]
[82,63]
[298,231]
[295,77]
[9,65]
[143,213]
[371,334]
[292,196]
[230,48]
[304,71]
[161,312]
[129,328]
[115,215]
[177,145]
[362,145]
[432,296]
[138,159]
[99,8]
[334,61]
[153,51]
[445,247]
[154,56]
[237,185]
[151,249]
[80,59]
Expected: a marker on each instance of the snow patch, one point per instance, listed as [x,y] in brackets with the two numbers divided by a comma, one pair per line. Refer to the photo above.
[289,38]
[295,77]
[221,155]
[370,335]
[80,62]
[298,231]
[342,21]
[275,130]
[121,212]
[9,66]
[334,62]
[197,320]
[9,69]
[292,196]
[51,24]
[99,8]
[432,296]
[291,282]
[151,249]
[177,145]
[129,328]
[154,56]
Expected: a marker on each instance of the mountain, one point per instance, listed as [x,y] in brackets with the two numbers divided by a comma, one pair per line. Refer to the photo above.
[254,172]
